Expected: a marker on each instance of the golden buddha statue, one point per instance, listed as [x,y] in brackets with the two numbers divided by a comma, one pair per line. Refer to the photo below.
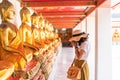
[57,37]
[53,37]
[56,34]
[35,30]
[35,20]
[51,31]
[47,34]
[41,22]
[42,30]
[26,31]
[10,47]
[37,37]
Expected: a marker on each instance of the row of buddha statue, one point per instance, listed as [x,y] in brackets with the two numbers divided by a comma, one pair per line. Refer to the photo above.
[34,37]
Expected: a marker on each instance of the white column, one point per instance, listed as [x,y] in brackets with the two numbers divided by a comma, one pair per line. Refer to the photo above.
[91,30]
[103,44]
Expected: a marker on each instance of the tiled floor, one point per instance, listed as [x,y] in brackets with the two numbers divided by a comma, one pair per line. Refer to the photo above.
[64,61]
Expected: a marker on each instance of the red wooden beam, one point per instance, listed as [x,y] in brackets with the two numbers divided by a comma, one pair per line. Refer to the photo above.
[64,13]
[92,9]
[65,18]
[64,21]
[64,26]
[50,0]
[59,3]
[61,9]
[59,16]
[113,7]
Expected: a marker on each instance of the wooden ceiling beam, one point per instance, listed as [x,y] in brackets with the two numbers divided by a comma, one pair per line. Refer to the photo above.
[71,25]
[64,21]
[63,13]
[91,9]
[88,3]
[65,18]
[58,16]
[59,27]
[50,0]
[67,23]
[64,26]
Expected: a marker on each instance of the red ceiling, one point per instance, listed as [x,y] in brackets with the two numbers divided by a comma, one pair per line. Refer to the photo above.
[60,8]
[63,13]
[51,0]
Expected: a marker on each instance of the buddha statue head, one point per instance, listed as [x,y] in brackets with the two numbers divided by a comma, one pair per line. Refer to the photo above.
[41,22]
[56,30]
[7,11]
[25,15]
[35,19]
[51,28]
[46,25]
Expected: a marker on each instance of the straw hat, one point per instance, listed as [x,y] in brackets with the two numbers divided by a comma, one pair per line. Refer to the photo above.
[77,35]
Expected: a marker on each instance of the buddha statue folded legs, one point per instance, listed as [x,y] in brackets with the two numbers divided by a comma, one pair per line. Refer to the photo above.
[6,70]
[18,61]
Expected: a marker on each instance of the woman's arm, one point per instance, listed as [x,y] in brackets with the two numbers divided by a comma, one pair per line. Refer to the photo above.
[78,53]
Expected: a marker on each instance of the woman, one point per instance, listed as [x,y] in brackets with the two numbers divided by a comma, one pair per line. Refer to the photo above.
[79,41]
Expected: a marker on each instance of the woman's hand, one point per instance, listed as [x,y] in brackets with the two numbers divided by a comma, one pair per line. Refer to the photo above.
[74,44]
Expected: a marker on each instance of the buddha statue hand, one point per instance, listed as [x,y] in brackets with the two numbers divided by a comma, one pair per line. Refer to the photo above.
[21,48]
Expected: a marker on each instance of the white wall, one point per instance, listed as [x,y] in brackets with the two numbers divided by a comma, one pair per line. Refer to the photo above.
[91,30]
[83,25]
[103,44]
[78,27]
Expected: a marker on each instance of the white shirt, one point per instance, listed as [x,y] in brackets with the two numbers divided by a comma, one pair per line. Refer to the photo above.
[84,46]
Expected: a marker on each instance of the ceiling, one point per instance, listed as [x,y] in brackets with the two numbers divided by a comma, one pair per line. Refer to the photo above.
[63,13]
[115,14]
